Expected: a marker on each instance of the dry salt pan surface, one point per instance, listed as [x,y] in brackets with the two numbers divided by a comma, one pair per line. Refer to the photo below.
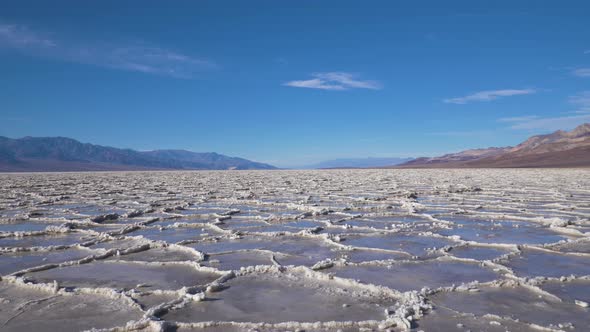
[337,250]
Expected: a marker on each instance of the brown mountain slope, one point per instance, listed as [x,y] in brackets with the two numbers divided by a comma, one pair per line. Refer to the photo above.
[575,157]
[462,156]
[559,149]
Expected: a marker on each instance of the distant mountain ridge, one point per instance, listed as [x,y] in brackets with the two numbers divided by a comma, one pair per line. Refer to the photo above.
[358,162]
[65,154]
[558,149]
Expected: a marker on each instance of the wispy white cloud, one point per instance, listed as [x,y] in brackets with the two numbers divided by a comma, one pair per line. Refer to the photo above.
[136,57]
[17,36]
[581,102]
[143,58]
[489,95]
[334,81]
[581,72]
[473,133]
[555,123]
[315,83]
[518,118]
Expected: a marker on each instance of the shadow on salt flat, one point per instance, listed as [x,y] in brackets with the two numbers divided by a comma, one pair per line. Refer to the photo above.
[126,275]
[506,232]
[124,243]
[517,303]
[264,298]
[241,223]
[479,253]
[413,244]
[236,260]
[158,255]
[416,275]
[275,228]
[173,234]
[45,312]
[297,250]
[148,299]
[362,255]
[569,291]
[413,222]
[531,263]
[229,327]
[13,262]
[91,210]
[305,223]
[25,226]
[444,320]
[578,246]
[45,240]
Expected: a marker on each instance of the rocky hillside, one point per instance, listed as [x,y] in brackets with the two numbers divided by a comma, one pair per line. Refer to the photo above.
[558,149]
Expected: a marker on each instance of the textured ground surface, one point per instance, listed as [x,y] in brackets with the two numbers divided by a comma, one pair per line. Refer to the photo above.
[337,250]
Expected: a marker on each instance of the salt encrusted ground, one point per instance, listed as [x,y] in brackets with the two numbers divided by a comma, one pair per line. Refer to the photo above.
[338,250]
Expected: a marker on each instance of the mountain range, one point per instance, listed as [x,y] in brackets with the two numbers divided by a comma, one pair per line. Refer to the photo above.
[32,154]
[558,149]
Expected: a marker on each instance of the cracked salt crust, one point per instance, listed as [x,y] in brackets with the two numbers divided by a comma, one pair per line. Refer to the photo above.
[334,250]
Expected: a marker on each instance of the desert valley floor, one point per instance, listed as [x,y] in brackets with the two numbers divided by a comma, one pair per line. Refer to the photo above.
[334,250]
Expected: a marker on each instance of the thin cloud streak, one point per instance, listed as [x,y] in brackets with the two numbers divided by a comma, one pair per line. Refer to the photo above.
[315,83]
[518,118]
[17,36]
[336,81]
[532,122]
[581,101]
[145,59]
[556,123]
[461,133]
[133,57]
[581,72]
[489,95]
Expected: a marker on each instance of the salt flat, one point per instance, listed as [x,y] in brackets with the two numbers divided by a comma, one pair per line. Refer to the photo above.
[329,250]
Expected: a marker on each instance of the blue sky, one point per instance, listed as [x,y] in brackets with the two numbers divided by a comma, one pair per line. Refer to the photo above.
[294,82]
